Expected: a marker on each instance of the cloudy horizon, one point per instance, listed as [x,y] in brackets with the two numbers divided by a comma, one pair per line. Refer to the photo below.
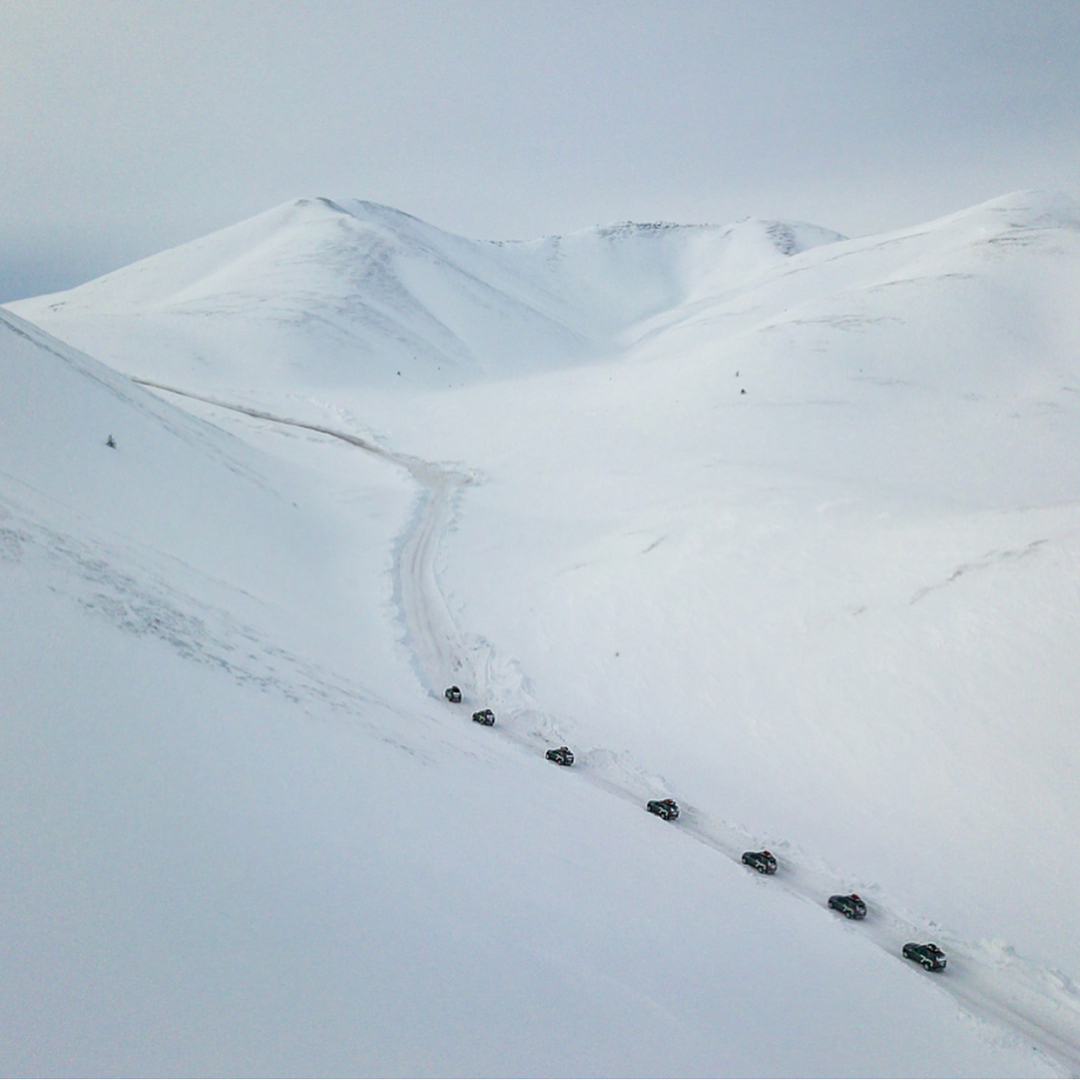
[129,128]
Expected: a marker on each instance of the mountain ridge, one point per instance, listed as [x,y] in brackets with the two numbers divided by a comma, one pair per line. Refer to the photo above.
[366,280]
[359,293]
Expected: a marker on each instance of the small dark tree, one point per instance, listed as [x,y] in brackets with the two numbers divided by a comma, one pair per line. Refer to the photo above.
[110,441]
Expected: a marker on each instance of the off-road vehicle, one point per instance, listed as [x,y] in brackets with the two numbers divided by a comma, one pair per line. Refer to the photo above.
[485,717]
[562,755]
[453,693]
[929,955]
[668,809]
[764,862]
[852,905]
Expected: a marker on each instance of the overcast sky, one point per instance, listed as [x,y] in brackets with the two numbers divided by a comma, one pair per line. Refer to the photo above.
[128,127]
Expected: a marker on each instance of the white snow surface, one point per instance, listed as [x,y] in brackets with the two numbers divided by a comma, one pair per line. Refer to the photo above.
[835,615]
[329,294]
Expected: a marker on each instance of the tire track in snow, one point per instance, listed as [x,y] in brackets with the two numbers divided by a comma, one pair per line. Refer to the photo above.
[441,652]
[1039,1006]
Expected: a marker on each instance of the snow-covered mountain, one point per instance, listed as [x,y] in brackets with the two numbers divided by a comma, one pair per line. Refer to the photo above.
[783,525]
[353,293]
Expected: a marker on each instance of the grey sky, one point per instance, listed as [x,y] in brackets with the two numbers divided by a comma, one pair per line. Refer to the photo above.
[129,127]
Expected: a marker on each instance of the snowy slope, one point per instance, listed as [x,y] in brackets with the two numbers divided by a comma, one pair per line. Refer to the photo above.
[226,857]
[343,294]
[835,614]
[187,499]
[848,595]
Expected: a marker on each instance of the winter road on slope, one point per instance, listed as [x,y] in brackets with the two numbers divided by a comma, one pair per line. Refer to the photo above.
[1039,1006]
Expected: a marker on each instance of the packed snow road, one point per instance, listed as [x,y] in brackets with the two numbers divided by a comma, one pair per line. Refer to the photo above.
[440,651]
[987,979]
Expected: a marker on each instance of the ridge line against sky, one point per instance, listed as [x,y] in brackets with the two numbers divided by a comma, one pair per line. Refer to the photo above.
[129,128]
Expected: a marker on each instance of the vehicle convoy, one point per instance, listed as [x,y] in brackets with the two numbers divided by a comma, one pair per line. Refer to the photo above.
[764,862]
[453,693]
[562,755]
[852,905]
[485,717]
[668,809]
[929,955]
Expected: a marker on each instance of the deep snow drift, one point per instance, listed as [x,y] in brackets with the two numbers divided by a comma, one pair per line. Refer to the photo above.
[835,614]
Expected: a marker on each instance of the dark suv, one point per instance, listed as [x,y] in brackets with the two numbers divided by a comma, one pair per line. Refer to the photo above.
[930,956]
[668,809]
[563,755]
[485,717]
[764,862]
[852,905]
[453,693]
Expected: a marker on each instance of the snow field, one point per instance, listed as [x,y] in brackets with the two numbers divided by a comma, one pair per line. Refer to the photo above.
[1016,993]
[211,881]
[835,616]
